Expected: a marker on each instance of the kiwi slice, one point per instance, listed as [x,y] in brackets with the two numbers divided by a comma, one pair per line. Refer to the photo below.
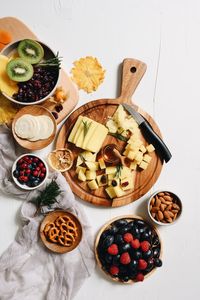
[31,51]
[19,70]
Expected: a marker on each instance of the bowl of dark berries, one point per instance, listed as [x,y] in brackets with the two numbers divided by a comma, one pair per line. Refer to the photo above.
[29,171]
[128,249]
[32,70]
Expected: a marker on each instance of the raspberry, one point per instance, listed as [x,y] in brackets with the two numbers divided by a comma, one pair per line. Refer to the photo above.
[125,258]
[128,237]
[135,244]
[114,270]
[140,277]
[145,246]
[142,264]
[113,249]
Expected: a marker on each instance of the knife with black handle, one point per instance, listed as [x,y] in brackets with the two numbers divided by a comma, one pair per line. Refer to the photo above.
[149,134]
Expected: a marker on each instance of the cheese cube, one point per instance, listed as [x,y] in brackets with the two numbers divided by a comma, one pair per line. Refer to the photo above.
[112,126]
[110,191]
[90,175]
[127,183]
[125,152]
[102,164]
[134,137]
[147,158]
[93,185]
[80,168]
[125,172]
[100,179]
[111,170]
[143,165]
[131,154]
[133,165]
[142,149]
[150,148]
[139,157]
[118,191]
[89,156]
[81,176]
[91,165]
[79,161]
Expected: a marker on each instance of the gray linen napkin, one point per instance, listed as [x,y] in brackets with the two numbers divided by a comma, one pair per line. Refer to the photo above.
[27,269]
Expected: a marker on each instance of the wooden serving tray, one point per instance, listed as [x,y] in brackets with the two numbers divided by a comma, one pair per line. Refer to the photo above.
[106,226]
[100,110]
[19,31]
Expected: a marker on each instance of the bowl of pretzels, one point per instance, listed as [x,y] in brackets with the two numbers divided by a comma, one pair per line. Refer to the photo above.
[61,231]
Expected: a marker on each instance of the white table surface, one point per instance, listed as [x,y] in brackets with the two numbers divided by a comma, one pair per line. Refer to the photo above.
[165,35]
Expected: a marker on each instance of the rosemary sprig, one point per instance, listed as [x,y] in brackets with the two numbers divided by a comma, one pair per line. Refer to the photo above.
[48,196]
[119,168]
[119,136]
[86,127]
[52,62]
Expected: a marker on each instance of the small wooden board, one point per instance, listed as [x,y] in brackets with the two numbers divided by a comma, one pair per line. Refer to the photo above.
[100,110]
[19,31]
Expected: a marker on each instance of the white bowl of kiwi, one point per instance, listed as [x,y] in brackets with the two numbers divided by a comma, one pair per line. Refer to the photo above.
[31,72]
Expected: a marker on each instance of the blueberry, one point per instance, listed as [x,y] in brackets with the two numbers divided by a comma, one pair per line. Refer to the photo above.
[113,229]
[142,229]
[155,241]
[35,182]
[133,265]
[136,233]
[108,241]
[145,237]
[156,252]
[140,223]
[124,247]
[108,258]
[147,254]
[116,260]
[16,173]
[119,239]
[32,178]
[121,223]
[157,262]
[137,254]
[124,229]
[125,278]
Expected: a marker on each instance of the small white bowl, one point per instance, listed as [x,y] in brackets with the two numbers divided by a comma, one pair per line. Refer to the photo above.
[24,186]
[179,203]
[49,53]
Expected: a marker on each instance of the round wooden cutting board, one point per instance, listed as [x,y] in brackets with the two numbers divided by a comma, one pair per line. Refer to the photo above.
[100,110]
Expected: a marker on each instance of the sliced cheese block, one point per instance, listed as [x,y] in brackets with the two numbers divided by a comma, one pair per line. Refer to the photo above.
[89,134]
[98,138]
[74,129]
[26,126]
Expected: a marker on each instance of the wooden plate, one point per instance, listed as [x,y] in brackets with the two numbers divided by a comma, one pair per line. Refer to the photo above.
[51,217]
[34,110]
[19,31]
[106,226]
[100,110]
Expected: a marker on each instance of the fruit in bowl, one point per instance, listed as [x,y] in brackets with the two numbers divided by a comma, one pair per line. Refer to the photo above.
[32,69]
[128,249]
[29,171]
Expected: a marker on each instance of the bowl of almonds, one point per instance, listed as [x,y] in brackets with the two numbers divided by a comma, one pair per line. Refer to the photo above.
[164,207]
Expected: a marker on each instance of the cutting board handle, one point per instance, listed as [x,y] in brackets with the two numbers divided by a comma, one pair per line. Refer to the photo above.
[132,72]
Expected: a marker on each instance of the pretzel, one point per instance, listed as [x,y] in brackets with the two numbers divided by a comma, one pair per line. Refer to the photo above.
[61,220]
[62,231]
[47,227]
[53,234]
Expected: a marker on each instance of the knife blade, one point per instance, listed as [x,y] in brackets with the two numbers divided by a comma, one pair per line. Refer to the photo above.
[149,134]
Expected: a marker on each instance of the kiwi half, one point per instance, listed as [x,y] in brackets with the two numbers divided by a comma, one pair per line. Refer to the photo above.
[19,70]
[31,51]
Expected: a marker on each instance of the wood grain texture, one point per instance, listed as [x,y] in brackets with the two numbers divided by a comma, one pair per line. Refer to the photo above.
[34,110]
[100,110]
[20,31]
[51,217]
[107,226]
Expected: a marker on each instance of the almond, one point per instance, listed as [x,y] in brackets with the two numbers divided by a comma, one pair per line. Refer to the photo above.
[161,194]
[158,202]
[168,202]
[155,209]
[153,215]
[162,199]
[168,198]
[160,215]
[169,220]
[175,211]
[176,206]
[150,207]
[175,215]
[169,207]
[171,214]
[166,193]
[153,201]
[166,214]
[163,206]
